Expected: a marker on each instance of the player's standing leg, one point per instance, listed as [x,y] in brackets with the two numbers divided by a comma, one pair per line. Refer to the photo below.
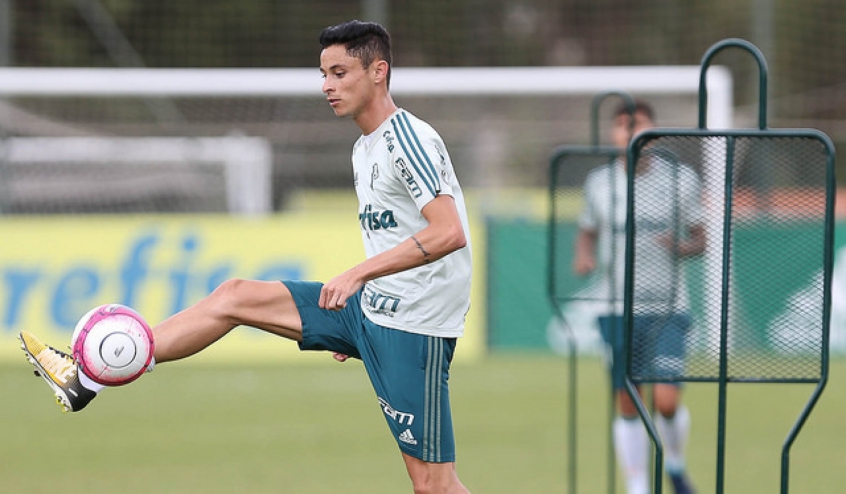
[433,477]
[672,420]
[631,441]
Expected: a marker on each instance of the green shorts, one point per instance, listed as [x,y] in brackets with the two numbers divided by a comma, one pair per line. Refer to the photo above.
[658,348]
[408,371]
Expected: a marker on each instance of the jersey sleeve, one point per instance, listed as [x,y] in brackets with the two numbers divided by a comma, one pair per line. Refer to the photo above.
[587,216]
[692,210]
[420,160]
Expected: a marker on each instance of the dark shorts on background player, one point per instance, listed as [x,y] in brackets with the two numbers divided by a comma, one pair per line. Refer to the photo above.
[409,372]
[658,346]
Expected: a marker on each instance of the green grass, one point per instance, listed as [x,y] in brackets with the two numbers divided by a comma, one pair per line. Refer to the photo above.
[316,428]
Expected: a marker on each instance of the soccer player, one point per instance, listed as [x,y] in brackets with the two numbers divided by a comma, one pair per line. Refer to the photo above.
[400,310]
[600,246]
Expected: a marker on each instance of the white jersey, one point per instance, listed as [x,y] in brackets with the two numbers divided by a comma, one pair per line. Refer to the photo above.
[605,193]
[398,169]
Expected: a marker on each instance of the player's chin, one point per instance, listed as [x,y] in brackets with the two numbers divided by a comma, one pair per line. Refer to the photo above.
[338,108]
[345,111]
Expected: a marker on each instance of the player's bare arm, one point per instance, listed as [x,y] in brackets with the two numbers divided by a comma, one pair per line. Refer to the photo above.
[584,261]
[693,245]
[443,235]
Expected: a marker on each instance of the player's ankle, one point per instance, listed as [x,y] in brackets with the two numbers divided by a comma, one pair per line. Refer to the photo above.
[88,383]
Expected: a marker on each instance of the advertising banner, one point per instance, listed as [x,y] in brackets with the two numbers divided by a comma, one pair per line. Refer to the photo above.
[54,269]
[521,315]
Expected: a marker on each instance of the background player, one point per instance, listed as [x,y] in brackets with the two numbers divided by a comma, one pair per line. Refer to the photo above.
[400,311]
[600,243]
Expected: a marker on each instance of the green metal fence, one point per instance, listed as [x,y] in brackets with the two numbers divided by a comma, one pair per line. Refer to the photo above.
[767,203]
[570,166]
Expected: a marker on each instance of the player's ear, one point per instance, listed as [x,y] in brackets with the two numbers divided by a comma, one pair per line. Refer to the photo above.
[380,71]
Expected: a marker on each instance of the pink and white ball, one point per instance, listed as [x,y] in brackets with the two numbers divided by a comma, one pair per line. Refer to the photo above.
[112,344]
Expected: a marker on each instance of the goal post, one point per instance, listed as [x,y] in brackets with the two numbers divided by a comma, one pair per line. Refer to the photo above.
[245,163]
[500,123]
[446,81]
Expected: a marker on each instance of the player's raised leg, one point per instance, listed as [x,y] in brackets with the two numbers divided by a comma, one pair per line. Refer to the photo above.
[266,305]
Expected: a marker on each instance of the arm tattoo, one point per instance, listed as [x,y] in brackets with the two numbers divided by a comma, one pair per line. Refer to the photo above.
[420,246]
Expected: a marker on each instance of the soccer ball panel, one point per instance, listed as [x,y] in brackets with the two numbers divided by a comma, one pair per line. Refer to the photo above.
[118,350]
[81,323]
[113,345]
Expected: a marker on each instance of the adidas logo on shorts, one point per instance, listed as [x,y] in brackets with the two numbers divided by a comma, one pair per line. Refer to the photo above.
[407,438]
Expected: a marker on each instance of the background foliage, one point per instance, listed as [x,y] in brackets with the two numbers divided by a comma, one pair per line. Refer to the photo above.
[804,42]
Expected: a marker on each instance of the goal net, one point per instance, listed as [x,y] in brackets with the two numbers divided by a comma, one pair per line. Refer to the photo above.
[248,140]
[105,174]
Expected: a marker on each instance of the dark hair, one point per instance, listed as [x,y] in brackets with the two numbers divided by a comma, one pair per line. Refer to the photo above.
[366,41]
[640,106]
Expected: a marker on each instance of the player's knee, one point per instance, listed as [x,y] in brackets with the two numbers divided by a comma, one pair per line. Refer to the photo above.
[666,400]
[421,486]
[228,297]
[437,481]
[625,405]
[667,411]
[429,485]
[666,405]
[228,290]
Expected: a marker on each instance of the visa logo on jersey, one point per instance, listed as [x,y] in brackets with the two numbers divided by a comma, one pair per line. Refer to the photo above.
[371,219]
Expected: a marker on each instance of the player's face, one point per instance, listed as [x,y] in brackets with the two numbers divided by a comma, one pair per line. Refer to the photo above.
[622,132]
[347,85]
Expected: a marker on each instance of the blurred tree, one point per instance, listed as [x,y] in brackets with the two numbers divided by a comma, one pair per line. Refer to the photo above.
[808,44]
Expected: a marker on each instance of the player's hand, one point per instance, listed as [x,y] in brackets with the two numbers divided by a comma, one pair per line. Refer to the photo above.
[336,292]
[340,357]
[583,266]
[669,242]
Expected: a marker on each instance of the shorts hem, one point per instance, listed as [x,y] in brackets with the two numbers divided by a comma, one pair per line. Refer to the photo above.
[417,454]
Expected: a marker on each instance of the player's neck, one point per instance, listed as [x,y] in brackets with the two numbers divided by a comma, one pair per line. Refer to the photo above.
[642,167]
[377,112]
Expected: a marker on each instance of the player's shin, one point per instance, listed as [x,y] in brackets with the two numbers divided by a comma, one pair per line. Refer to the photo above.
[631,442]
[674,432]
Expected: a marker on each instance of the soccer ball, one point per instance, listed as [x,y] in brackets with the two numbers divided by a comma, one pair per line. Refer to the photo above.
[112,344]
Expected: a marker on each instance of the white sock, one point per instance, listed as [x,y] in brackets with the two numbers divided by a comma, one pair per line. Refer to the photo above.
[96,387]
[674,432]
[87,383]
[631,442]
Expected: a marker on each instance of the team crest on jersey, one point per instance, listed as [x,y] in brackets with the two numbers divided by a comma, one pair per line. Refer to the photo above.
[374,175]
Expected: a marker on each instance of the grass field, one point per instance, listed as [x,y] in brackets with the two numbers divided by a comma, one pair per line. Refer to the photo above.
[315,428]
